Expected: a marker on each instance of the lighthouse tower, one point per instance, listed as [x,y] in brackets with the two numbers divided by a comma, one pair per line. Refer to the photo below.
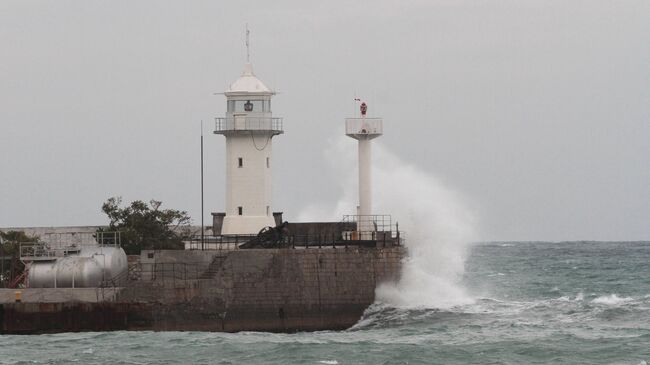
[249,129]
[364,130]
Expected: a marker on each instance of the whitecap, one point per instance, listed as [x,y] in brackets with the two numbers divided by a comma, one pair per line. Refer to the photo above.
[330,362]
[611,299]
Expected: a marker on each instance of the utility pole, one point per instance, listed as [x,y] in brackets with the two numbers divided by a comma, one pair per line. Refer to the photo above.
[202,223]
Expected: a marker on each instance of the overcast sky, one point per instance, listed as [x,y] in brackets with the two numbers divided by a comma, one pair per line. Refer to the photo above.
[536,112]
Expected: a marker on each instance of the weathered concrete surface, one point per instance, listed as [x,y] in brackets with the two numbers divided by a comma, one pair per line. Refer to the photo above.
[58,295]
[281,290]
[29,318]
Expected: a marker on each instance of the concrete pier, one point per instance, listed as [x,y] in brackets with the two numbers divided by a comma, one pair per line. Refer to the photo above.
[277,290]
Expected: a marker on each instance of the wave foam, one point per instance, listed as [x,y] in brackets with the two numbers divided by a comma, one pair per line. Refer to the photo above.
[611,300]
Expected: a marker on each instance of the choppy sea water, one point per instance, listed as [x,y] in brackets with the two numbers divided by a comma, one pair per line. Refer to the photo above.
[533,303]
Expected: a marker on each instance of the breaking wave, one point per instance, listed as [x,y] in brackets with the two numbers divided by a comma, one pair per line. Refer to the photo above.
[612,300]
[568,312]
[438,223]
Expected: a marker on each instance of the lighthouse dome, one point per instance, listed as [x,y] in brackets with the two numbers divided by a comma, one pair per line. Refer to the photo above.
[248,83]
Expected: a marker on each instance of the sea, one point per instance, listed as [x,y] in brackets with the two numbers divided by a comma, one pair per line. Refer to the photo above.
[523,303]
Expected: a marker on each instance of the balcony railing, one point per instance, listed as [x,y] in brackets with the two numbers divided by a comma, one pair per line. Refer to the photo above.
[243,123]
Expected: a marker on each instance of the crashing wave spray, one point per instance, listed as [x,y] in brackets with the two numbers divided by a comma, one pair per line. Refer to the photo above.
[439,227]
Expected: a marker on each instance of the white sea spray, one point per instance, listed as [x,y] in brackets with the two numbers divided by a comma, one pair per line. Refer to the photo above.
[438,223]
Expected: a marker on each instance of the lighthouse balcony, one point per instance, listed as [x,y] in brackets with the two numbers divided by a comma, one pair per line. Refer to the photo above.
[364,127]
[245,124]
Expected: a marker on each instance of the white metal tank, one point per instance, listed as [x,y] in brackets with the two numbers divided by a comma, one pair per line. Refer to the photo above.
[112,260]
[87,268]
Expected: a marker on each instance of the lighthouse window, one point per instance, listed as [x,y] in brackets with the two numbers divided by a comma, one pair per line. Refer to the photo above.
[240,210]
[240,162]
[249,105]
[268,162]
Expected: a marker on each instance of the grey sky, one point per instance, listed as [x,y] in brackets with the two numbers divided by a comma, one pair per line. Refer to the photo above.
[537,112]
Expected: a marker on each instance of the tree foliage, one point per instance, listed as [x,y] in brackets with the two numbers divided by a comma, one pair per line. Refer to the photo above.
[10,264]
[146,226]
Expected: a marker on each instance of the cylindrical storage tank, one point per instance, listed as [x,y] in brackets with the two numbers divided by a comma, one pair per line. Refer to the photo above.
[89,268]
[66,272]
[41,274]
[112,260]
[78,272]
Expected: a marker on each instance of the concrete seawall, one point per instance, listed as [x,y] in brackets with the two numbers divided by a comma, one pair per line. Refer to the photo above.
[280,290]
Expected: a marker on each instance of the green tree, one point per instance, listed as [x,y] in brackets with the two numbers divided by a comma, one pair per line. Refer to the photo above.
[10,264]
[145,226]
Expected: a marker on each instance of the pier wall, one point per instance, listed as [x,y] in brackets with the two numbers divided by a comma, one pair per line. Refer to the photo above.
[279,290]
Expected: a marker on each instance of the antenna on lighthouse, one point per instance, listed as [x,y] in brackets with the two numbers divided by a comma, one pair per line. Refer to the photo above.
[248,45]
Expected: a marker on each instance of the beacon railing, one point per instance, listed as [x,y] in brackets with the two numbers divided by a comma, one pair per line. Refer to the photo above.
[372,126]
[244,123]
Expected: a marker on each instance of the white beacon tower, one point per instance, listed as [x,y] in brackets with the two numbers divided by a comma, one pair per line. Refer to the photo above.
[364,130]
[249,129]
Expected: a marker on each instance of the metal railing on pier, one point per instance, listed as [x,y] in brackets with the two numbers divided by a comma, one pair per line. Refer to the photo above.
[52,245]
[230,242]
[379,222]
[341,239]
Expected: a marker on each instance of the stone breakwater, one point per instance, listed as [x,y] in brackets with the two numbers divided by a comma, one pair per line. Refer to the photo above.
[276,290]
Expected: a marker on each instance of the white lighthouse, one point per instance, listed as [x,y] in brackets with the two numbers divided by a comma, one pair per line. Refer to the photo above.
[364,130]
[249,129]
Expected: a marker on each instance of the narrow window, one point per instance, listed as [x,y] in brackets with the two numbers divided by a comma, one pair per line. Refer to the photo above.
[240,162]
[268,211]
[240,210]
[268,162]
